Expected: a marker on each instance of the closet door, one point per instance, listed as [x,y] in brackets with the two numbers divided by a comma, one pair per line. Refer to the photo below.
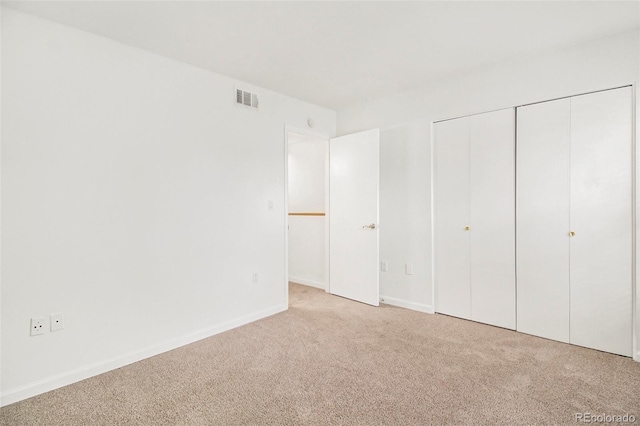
[474,218]
[601,194]
[543,151]
[492,218]
[451,197]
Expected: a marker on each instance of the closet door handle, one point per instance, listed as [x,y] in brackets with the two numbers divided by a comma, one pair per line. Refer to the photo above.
[572,234]
[467,228]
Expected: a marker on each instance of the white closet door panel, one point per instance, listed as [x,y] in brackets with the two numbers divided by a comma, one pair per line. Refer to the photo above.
[451,154]
[492,212]
[542,225]
[601,250]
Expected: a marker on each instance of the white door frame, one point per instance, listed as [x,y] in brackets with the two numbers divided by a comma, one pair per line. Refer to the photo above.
[320,135]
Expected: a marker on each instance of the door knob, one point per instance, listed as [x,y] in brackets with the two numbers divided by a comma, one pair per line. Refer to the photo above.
[467,228]
[370,226]
[572,234]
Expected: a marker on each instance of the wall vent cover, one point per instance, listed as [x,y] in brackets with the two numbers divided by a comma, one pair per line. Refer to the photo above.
[246,98]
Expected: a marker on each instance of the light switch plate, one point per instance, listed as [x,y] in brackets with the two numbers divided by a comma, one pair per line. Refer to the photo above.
[409,268]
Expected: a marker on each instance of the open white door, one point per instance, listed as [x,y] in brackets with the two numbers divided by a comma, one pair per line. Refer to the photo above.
[353,216]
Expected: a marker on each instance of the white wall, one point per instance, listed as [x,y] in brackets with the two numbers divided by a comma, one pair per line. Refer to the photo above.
[601,64]
[405,207]
[134,199]
[405,232]
[636,311]
[307,250]
[307,234]
[1,37]
[307,173]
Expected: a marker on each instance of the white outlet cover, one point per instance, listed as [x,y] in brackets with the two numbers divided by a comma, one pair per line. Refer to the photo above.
[383,266]
[37,326]
[57,321]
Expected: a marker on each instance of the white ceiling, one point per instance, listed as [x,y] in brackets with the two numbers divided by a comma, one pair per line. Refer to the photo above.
[339,53]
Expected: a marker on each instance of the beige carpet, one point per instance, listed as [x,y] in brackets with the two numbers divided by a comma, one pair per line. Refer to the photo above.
[331,361]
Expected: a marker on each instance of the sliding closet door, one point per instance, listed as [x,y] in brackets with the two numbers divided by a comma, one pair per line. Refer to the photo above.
[601,256]
[451,196]
[543,148]
[492,213]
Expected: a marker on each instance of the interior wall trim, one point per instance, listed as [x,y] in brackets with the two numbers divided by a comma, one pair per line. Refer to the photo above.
[420,307]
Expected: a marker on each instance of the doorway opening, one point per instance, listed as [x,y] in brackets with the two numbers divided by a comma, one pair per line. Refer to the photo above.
[307,210]
[339,252]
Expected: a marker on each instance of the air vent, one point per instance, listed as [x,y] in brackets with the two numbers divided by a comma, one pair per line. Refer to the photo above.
[246,98]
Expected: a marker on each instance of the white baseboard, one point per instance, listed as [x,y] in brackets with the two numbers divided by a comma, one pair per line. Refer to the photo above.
[406,304]
[310,283]
[64,379]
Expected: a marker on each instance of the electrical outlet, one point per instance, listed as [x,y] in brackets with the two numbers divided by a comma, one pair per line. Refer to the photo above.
[270,204]
[56,321]
[409,268]
[383,266]
[37,326]
[254,278]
